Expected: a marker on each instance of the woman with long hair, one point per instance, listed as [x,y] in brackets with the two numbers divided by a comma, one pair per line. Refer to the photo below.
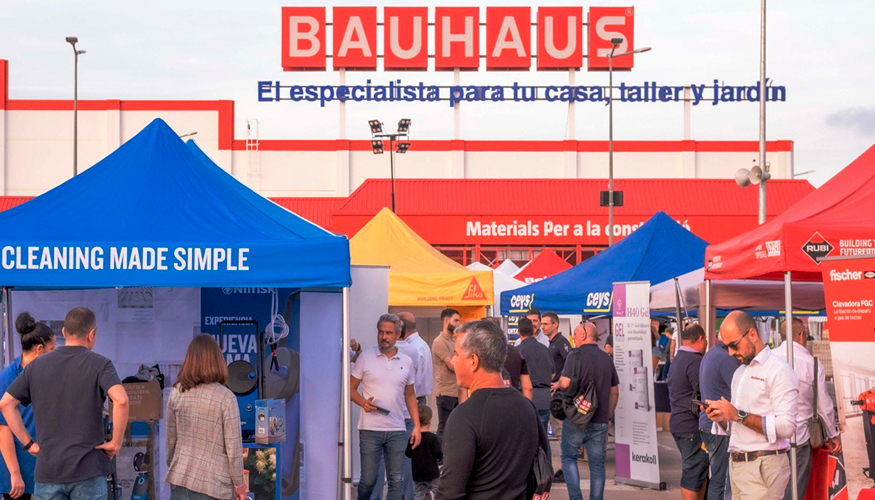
[16,475]
[204,442]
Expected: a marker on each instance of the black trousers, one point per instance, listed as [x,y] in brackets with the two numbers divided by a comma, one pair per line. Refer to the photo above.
[445,406]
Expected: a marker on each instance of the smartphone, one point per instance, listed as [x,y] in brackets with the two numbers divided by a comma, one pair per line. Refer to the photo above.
[700,403]
[383,411]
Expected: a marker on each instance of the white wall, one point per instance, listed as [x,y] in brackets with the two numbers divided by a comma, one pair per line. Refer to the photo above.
[39,150]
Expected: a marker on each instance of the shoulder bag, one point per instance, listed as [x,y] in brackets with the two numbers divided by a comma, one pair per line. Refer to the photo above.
[577,404]
[817,437]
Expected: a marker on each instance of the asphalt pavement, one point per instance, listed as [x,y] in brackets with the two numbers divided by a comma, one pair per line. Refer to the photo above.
[669,473]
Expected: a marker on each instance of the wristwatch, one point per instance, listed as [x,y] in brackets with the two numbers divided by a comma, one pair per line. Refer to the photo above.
[28,445]
[741,416]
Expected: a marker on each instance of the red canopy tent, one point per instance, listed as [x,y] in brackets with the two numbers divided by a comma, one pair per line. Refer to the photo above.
[835,220]
[546,264]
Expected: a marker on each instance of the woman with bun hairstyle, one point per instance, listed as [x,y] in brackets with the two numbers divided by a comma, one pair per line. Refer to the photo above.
[16,474]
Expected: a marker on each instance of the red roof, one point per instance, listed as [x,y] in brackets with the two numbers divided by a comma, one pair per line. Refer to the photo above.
[569,196]
[315,210]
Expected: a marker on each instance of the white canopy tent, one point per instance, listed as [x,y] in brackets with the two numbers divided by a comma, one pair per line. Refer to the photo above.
[507,268]
[500,283]
[749,295]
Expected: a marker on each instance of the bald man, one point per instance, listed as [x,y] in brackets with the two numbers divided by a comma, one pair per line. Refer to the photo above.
[587,363]
[761,418]
[413,344]
[803,365]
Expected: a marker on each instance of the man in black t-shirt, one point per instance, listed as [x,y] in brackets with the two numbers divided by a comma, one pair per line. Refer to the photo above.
[540,364]
[589,363]
[67,388]
[482,460]
[518,371]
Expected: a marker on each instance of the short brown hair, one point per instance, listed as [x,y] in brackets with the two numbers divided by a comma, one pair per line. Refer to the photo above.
[424,415]
[204,364]
[692,333]
[79,321]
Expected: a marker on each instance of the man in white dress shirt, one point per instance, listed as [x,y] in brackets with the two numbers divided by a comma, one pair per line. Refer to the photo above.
[411,344]
[803,365]
[535,316]
[761,417]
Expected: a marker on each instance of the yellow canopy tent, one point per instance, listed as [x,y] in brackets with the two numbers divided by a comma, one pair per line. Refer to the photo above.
[419,275]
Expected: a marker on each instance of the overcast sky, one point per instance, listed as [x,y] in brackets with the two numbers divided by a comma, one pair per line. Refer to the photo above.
[823,54]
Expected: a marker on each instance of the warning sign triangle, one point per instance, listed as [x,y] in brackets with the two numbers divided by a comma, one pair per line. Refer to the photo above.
[474,292]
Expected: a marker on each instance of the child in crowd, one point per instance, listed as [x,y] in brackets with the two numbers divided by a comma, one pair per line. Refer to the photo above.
[424,458]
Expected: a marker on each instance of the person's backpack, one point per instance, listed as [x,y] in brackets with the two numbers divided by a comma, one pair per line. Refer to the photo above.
[576,404]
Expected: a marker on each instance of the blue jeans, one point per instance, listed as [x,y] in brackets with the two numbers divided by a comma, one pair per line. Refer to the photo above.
[89,489]
[180,493]
[376,445]
[595,437]
[544,415]
[718,454]
[407,471]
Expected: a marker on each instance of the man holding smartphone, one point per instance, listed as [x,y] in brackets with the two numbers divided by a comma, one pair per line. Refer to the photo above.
[683,383]
[761,418]
[386,376]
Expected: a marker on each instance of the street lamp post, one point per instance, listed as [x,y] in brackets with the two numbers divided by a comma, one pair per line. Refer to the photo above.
[762,163]
[72,40]
[615,42]
[377,137]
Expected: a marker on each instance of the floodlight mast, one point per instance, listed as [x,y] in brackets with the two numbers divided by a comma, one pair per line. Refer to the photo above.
[377,136]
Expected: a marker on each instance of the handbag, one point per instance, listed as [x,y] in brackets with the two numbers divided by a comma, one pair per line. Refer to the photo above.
[540,478]
[816,434]
[578,406]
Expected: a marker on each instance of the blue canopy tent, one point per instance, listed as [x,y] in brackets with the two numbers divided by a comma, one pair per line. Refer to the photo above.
[658,250]
[155,213]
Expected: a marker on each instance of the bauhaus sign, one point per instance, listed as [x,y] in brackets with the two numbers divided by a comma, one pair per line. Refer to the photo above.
[456,35]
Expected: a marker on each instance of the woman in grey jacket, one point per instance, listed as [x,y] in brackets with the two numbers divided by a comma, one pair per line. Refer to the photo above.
[204,442]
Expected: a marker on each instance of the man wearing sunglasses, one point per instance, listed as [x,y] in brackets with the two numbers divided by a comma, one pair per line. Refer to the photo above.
[761,417]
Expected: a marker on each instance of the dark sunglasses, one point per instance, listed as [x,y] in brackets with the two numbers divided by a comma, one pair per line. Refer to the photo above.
[734,345]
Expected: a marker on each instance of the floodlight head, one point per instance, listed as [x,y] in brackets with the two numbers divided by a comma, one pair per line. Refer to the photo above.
[403,125]
[756,175]
[80,52]
[616,41]
[403,147]
[376,126]
[377,146]
[742,177]
[72,39]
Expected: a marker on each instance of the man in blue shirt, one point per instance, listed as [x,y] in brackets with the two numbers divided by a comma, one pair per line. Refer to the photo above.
[715,382]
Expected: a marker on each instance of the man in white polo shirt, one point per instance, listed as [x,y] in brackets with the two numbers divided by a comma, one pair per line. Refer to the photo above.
[762,415]
[386,377]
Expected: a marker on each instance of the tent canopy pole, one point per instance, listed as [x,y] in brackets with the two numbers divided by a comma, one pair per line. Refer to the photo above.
[788,338]
[346,436]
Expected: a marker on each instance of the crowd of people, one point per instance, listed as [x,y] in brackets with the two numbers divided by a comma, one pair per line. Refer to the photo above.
[479,380]
[737,409]
[55,441]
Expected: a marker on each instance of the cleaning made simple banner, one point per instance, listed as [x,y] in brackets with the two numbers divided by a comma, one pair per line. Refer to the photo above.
[637,452]
[849,290]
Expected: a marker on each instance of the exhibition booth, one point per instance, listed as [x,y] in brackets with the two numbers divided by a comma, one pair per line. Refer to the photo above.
[544,265]
[162,244]
[500,283]
[821,239]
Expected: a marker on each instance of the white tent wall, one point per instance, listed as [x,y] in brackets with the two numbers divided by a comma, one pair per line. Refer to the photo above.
[320,327]
[368,299]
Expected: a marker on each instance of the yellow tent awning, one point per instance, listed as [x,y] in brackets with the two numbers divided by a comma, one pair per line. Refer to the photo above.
[419,274]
